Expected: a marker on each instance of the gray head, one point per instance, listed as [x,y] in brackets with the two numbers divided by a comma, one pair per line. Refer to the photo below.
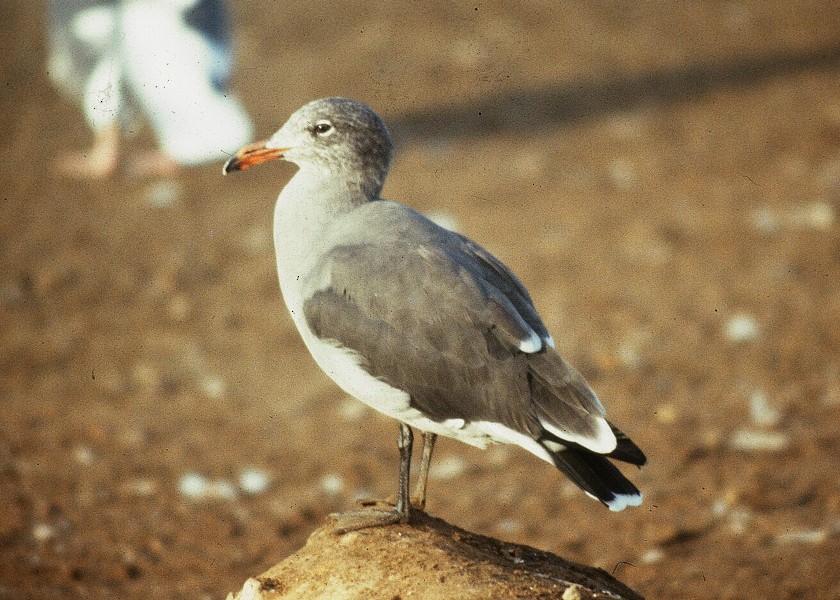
[341,137]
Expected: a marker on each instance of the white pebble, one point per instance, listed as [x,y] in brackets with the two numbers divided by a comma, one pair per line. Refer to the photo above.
[351,409]
[197,487]
[742,327]
[754,440]
[193,485]
[213,386]
[761,412]
[332,484]
[765,221]
[739,518]
[803,536]
[254,481]
[817,215]
[83,455]
[42,532]
[509,526]
[653,556]
[447,468]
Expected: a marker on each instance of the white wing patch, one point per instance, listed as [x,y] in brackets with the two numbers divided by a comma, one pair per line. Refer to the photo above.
[532,345]
[603,442]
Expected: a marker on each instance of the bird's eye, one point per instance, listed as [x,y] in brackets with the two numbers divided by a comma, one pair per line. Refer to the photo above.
[323,128]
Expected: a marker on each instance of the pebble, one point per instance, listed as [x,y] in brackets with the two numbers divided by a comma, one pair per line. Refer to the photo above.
[43,532]
[755,440]
[814,216]
[739,518]
[83,455]
[332,484]
[572,593]
[213,386]
[509,526]
[196,487]
[447,467]
[254,481]
[803,536]
[742,327]
[762,412]
[351,409]
[653,556]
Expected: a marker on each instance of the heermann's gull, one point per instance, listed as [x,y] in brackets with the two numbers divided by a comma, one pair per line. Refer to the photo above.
[418,322]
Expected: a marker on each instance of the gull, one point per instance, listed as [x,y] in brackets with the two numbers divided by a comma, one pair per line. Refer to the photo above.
[419,322]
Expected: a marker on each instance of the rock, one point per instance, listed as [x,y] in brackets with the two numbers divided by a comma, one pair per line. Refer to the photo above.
[428,559]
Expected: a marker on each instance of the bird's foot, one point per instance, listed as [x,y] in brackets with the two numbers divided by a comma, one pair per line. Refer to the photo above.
[354,520]
[94,164]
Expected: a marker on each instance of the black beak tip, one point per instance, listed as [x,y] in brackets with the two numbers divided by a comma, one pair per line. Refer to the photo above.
[230,166]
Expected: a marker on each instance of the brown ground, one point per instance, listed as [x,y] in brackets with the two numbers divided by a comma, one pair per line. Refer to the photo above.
[651,170]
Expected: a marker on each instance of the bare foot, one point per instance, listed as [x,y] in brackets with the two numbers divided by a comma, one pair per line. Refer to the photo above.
[353,520]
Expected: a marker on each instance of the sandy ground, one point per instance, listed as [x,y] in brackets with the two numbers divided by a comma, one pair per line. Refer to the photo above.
[665,177]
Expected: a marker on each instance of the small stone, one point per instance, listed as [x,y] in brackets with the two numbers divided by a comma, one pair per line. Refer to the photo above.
[742,327]
[83,455]
[509,526]
[754,440]
[351,409]
[332,484]
[213,386]
[818,216]
[765,221]
[653,556]
[254,481]
[803,536]
[43,532]
[761,412]
[739,518]
[447,468]
[572,593]
[193,485]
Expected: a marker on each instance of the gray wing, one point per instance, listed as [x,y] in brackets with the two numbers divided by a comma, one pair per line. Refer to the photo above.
[441,318]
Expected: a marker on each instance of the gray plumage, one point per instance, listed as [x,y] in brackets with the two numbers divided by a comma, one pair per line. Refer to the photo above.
[422,323]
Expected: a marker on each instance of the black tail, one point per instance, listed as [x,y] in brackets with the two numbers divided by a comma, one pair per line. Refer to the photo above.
[626,450]
[598,477]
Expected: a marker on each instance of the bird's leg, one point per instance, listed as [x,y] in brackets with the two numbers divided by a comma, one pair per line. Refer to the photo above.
[98,162]
[376,517]
[405,442]
[419,499]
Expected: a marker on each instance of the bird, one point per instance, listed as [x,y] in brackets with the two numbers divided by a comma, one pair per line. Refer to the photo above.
[102,56]
[419,322]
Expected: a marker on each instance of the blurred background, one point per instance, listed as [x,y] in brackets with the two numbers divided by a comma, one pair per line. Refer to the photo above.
[664,177]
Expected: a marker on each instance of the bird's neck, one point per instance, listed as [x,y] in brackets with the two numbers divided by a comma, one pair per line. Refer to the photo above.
[309,206]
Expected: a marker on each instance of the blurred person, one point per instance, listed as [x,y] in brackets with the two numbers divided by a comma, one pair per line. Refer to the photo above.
[168,60]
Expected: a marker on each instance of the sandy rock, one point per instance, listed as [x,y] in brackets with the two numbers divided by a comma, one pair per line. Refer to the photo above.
[428,559]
